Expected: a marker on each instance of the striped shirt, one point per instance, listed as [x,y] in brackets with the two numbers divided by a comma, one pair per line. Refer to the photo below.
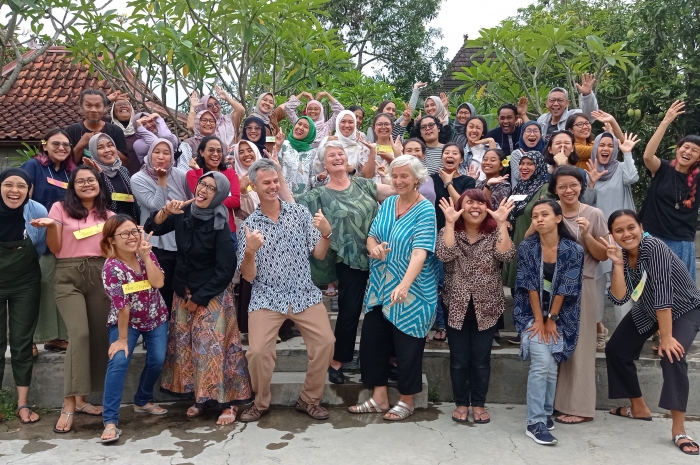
[668,284]
[433,159]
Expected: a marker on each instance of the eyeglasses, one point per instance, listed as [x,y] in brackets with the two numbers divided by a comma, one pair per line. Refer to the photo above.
[253,128]
[125,235]
[206,121]
[82,182]
[573,186]
[211,189]
[532,131]
[383,125]
[583,124]
[427,126]
[212,150]
[557,100]
[212,105]
[56,144]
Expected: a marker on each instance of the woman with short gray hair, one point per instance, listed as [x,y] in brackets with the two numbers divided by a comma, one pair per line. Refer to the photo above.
[350,205]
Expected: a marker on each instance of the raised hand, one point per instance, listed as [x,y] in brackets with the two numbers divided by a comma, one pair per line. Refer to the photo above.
[397,146]
[322,224]
[322,94]
[523,104]
[613,250]
[162,173]
[117,95]
[602,116]
[593,172]
[381,168]
[253,240]
[407,113]
[448,208]
[628,144]
[92,163]
[561,159]
[676,108]
[473,172]
[194,99]
[583,225]
[380,251]
[144,249]
[497,180]
[193,164]
[220,92]
[177,207]
[587,83]
[274,158]
[244,182]
[419,85]
[322,175]
[504,209]
[42,222]
[445,100]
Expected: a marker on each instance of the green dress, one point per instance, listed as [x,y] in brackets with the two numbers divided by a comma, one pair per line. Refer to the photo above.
[522,224]
[350,213]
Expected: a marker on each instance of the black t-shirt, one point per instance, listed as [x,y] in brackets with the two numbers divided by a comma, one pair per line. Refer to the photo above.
[659,215]
[508,142]
[76,131]
[126,208]
[460,183]
[548,275]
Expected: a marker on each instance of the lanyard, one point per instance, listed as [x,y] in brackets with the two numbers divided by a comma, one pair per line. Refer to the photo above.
[554,279]
[64,173]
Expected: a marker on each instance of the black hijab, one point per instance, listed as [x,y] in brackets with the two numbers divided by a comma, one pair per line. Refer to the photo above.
[12,219]
[260,143]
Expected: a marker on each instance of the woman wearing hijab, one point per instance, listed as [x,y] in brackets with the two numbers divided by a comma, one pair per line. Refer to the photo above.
[154,186]
[116,177]
[434,107]
[122,116]
[150,127]
[225,124]
[204,125]
[254,130]
[297,156]
[346,131]
[530,139]
[270,116]
[204,360]
[314,110]
[464,112]
[21,245]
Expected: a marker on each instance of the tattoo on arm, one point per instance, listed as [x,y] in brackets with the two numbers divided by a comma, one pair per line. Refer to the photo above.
[499,239]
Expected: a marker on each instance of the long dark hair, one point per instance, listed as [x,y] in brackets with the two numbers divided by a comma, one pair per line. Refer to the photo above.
[692,172]
[624,212]
[74,206]
[484,124]
[487,226]
[549,156]
[417,141]
[461,152]
[566,171]
[562,228]
[200,159]
[571,120]
[380,108]
[501,156]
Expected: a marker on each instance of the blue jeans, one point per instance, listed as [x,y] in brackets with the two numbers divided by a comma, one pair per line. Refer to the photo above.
[439,312]
[541,382]
[156,343]
[685,251]
[234,236]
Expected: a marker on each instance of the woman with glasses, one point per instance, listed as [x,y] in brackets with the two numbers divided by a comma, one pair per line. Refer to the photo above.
[210,157]
[428,129]
[225,124]
[49,171]
[131,279]
[204,360]
[530,139]
[254,131]
[580,126]
[204,125]
[73,233]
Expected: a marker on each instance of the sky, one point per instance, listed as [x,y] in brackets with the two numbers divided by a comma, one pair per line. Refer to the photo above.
[459,17]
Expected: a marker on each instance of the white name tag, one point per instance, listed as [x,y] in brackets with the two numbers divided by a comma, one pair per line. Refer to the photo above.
[518,198]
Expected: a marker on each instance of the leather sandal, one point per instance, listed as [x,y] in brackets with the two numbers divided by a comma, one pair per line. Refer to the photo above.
[253,414]
[682,446]
[315,411]
[618,412]
[28,422]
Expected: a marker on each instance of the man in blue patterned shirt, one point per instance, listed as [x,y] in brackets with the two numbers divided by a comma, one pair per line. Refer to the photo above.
[273,255]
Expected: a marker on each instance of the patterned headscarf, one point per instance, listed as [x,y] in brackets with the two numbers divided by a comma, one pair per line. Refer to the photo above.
[530,186]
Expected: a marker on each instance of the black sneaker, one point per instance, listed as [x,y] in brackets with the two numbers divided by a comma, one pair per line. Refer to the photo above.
[514,340]
[550,423]
[336,376]
[538,432]
[353,365]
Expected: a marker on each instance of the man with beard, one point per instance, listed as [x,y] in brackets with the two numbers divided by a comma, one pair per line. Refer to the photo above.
[507,134]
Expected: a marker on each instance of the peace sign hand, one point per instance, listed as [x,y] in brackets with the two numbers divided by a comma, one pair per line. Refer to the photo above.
[407,113]
[144,249]
[504,209]
[613,250]
[398,146]
[177,207]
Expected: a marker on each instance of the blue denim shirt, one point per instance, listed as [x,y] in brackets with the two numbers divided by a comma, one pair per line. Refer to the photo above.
[32,211]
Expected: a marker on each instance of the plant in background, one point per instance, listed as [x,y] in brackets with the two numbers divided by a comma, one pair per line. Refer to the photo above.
[27,153]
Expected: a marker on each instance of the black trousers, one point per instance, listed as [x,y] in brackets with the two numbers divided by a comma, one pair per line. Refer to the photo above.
[470,363]
[379,337]
[351,294]
[625,346]
[166,260]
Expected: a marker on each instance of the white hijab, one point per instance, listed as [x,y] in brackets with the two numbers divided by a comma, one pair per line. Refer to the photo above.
[353,147]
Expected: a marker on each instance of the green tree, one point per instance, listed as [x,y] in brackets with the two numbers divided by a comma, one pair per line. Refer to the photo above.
[391,36]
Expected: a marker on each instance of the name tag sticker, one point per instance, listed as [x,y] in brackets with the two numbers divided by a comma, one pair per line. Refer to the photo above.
[547,286]
[57,183]
[385,148]
[270,139]
[136,287]
[122,197]
[518,198]
[637,293]
[88,232]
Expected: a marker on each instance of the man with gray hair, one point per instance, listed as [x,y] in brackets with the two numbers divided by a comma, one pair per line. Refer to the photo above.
[273,255]
[558,105]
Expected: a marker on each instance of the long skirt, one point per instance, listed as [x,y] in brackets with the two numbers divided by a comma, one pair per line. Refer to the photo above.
[205,360]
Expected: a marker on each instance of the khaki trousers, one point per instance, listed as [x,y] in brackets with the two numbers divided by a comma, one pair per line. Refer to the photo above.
[315,327]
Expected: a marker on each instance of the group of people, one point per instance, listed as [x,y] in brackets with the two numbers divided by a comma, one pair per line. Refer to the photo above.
[118,231]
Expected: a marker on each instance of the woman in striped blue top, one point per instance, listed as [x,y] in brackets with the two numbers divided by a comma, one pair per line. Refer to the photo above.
[667,300]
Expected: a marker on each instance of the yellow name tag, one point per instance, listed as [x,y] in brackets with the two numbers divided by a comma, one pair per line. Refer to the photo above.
[122,197]
[136,287]
[385,148]
[270,139]
[637,293]
[57,183]
[87,232]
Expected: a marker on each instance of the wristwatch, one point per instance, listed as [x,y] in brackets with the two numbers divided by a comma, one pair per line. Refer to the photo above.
[448,184]
[553,316]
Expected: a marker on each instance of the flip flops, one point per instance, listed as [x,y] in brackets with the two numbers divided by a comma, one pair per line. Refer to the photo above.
[62,431]
[116,436]
[154,409]
[22,407]
[82,410]
[618,412]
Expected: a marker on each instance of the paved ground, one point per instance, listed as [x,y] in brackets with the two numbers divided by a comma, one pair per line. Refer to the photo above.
[288,437]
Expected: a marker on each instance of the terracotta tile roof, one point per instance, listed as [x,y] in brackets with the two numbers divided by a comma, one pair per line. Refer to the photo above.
[45,95]
[463,59]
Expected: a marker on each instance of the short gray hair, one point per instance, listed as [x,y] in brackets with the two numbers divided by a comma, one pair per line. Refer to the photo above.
[417,169]
[328,143]
[559,89]
[264,164]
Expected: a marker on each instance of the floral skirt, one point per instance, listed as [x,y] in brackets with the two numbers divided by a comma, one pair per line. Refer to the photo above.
[205,360]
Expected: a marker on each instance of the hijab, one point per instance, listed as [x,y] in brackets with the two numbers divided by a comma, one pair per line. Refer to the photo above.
[108,170]
[472,110]
[140,115]
[148,168]
[240,169]
[260,143]
[322,116]
[441,113]
[204,101]
[265,117]
[530,186]
[304,145]
[198,136]
[612,163]
[352,146]
[129,129]
[541,144]
[216,208]
[13,224]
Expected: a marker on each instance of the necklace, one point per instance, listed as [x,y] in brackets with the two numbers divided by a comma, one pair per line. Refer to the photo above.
[399,215]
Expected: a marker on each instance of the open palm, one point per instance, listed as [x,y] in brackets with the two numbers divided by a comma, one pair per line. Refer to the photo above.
[504,209]
[448,208]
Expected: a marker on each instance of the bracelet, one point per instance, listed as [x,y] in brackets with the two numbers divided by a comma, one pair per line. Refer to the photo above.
[487,186]
[448,184]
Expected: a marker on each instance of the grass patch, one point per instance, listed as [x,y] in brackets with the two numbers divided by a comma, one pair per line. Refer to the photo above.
[8,405]
[434,390]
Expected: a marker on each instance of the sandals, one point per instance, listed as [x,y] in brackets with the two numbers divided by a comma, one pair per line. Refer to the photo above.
[116,437]
[154,409]
[368,406]
[600,342]
[64,431]
[459,420]
[229,412]
[28,422]
[481,420]
[315,411]
[330,291]
[440,335]
[618,412]
[683,445]
[253,414]
[577,422]
[82,410]
[402,410]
